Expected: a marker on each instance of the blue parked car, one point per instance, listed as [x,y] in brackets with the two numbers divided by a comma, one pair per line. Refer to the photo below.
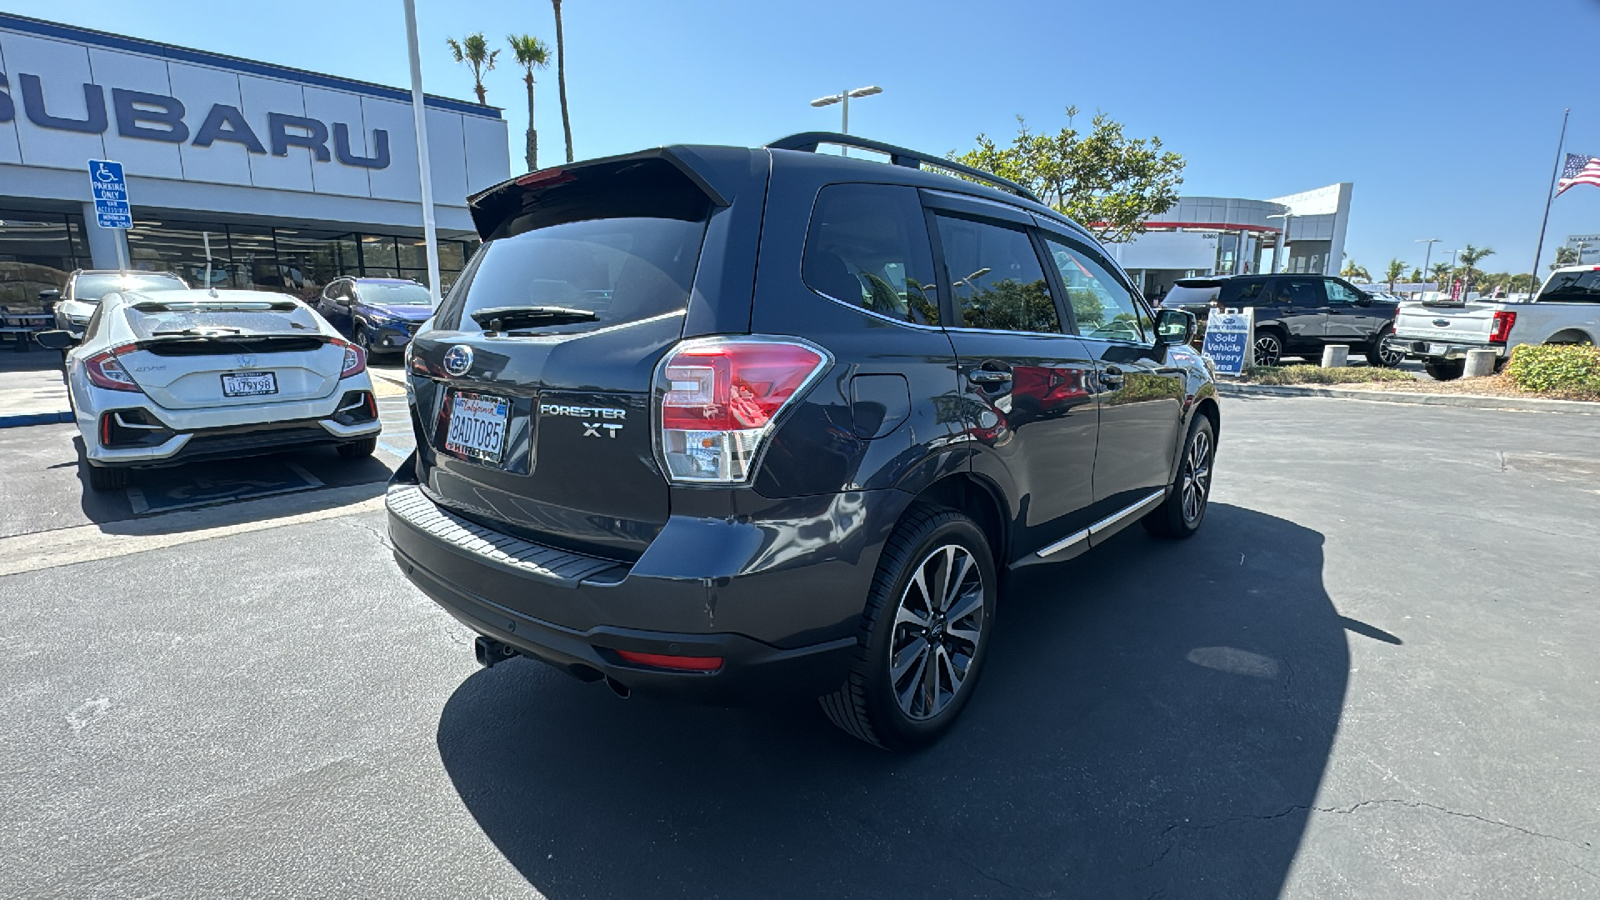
[379,314]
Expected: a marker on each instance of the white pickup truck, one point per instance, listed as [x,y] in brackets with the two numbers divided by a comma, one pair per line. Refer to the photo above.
[1566,311]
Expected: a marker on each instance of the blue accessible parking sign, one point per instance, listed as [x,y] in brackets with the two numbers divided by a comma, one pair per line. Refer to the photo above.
[110,188]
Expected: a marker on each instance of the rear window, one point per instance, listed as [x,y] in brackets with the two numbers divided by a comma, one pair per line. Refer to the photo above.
[1572,287]
[228,319]
[1196,294]
[395,293]
[620,240]
[90,288]
[1243,292]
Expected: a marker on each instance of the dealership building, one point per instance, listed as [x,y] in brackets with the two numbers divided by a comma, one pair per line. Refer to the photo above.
[281,179]
[1302,232]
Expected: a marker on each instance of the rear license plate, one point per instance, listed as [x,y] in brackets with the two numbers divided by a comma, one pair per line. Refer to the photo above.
[478,426]
[249,384]
[1436,349]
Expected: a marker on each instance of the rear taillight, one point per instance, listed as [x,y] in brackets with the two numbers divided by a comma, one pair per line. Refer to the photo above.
[106,371]
[355,359]
[1501,329]
[717,399]
[664,661]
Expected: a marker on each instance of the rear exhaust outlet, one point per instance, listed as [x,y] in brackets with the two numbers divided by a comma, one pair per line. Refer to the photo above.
[618,688]
[490,651]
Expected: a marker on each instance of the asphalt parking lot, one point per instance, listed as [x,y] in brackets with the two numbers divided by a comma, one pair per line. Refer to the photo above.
[1372,674]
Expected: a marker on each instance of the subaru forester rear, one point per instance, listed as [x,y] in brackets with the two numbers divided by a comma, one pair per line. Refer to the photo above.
[656,446]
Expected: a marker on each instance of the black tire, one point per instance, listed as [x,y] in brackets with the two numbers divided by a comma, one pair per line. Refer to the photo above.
[105,478]
[1445,369]
[1177,517]
[359,449]
[867,705]
[1268,350]
[1376,355]
[362,339]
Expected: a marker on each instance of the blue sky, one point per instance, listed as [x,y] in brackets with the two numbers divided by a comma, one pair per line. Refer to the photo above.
[1444,114]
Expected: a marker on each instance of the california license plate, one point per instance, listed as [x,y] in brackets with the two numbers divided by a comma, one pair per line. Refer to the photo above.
[1436,349]
[478,426]
[249,384]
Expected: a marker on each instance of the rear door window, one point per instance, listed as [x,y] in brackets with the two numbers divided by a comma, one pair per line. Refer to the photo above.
[868,246]
[1298,293]
[1240,292]
[996,280]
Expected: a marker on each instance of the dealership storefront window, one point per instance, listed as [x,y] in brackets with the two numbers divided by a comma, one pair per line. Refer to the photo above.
[296,261]
[37,251]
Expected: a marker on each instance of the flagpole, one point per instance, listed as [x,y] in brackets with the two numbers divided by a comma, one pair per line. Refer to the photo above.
[1550,196]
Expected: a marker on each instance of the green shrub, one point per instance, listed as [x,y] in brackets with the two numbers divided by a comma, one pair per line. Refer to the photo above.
[1317,375]
[1555,368]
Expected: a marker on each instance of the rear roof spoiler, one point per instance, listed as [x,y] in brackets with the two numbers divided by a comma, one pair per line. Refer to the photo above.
[807,142]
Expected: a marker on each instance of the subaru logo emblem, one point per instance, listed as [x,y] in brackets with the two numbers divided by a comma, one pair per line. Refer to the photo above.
[458,359]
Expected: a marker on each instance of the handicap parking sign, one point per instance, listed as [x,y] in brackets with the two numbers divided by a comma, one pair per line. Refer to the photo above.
[110,190]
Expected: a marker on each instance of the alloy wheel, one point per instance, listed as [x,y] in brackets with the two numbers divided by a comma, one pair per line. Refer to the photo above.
[1268,350]
[936,631]
[1389,355]
[1196,484]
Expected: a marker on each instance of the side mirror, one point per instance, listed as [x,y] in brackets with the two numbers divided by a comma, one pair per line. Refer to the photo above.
[1175,326]
[49,296]
[56,340]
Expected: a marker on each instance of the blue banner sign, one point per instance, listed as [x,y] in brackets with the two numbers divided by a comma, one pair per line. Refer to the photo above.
[1228,341]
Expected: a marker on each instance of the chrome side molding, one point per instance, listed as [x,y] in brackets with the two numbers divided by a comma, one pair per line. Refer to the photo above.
[1109,524]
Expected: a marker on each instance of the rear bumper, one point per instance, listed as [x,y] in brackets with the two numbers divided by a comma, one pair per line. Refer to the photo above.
[389,336]
[781,631]
[1423,349]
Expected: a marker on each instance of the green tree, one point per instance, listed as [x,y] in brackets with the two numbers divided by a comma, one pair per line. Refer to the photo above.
[531,53]
[1469,258]
[1565,256]
[1521,283]
[474,51]
[1394,272]
[1355,271]
[1416,275]
[561,79]
[1440,271]
[1106,181]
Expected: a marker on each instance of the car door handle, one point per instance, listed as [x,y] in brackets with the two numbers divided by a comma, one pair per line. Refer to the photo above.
[988,376]
[1111,377]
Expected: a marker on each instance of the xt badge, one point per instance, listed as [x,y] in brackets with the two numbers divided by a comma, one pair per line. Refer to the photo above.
[601,428]
[592,429]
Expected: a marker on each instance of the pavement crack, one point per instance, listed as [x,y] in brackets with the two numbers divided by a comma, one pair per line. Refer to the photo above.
[1419,804]
[994,878]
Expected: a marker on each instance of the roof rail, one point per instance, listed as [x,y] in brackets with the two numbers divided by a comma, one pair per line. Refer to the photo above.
[807,142]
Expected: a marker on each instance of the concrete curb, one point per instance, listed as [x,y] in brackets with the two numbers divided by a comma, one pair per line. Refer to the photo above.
[44,418]
[1460,401]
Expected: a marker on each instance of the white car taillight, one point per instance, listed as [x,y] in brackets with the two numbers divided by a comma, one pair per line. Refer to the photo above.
[355,359]
[717,399]
[106,371]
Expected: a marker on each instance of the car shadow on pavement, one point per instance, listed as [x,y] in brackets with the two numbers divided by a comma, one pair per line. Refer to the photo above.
[1156,716]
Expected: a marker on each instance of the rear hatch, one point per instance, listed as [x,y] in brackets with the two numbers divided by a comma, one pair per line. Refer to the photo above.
[533,385]
[1460,323]
[1192,294]
[200,355]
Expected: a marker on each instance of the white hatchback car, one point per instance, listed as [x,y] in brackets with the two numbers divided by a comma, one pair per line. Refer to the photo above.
[171,376]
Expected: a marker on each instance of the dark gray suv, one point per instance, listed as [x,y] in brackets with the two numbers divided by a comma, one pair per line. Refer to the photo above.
[727,423]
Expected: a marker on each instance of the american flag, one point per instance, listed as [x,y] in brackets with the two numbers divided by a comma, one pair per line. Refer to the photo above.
[1579,170]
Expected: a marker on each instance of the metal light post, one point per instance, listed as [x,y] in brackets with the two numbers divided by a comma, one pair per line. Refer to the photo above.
[1283,243]
[1426,257]
[843,97]
[425,172]
[1452,284]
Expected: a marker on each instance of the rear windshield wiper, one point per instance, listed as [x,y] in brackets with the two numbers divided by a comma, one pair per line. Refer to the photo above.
[197,332]
[505,318]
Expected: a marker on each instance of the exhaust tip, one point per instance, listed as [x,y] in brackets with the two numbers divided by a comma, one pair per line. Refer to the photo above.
[618,688]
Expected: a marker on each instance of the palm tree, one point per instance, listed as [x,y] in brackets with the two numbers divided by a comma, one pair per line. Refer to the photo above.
[531,54]
[1354,271]
[561,79]
[1393,273]
[474,51]
[1416,275]
[1470,256]
[1565,256]
[1440,271]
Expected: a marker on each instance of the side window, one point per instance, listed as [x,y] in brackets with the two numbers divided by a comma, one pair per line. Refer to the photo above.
[1339,294]
[996,281]
[1102,306]
[868,246]
[1243,292]
[1297,292]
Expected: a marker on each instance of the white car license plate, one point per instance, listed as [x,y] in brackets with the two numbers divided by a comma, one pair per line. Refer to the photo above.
[1436,349]
[249,384]
[478,426]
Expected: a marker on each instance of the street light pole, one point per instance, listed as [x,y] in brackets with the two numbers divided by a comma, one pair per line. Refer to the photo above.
[1426,257]
[1452,270]
[843,98]
[418,113]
